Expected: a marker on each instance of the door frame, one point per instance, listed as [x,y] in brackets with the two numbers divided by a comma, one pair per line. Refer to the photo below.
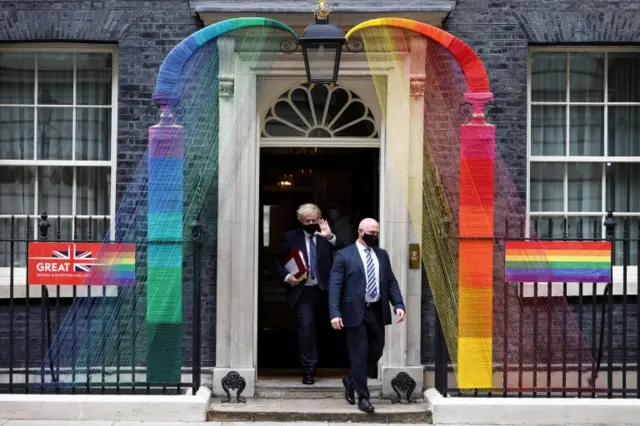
[236,313]
[312,143]
[309,143]
[352,84]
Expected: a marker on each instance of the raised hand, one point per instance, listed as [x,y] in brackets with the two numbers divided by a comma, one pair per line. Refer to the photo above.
[325,229]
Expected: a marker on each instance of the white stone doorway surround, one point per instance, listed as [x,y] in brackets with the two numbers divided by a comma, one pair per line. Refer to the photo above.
[401,180]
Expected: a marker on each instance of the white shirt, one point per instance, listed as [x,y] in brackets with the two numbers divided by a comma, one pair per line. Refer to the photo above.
[309,281]
[376,268]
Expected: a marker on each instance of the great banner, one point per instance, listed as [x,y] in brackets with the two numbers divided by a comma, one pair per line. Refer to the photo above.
[69,263]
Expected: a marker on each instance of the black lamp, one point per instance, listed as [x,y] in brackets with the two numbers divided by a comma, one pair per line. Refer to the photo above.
[321,47]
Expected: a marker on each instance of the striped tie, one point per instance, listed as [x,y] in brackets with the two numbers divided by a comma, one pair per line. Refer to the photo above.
[371,276]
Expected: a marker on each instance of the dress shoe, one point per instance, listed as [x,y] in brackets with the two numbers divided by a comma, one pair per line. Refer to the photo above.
[349,391]
[307,377]
[365,405]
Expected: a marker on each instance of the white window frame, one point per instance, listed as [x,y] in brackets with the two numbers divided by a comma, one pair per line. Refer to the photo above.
[20,276]
[618,271]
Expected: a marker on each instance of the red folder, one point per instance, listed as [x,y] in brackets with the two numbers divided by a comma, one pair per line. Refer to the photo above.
[295,264]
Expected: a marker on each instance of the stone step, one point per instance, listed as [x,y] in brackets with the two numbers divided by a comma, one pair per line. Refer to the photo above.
[295,389]
[317,410]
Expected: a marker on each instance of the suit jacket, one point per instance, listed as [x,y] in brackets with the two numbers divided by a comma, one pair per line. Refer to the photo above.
[324,250]
[349,282]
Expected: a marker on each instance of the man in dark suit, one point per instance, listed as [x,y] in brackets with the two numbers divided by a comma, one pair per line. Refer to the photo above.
[309,296]
[362,287]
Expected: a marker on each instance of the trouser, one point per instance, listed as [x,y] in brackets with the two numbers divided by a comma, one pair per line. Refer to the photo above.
[309,304]
[365,343]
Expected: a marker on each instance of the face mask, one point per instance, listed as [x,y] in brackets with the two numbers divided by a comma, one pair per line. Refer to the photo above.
[370,240]
[311,228]
[334,214]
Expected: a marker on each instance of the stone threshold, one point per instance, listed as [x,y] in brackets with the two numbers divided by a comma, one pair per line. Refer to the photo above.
[317,410]
[293,388]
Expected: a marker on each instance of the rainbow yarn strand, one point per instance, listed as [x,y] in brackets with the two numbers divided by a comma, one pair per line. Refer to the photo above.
[472,66]
[166,205]
[471,346]
[168,82]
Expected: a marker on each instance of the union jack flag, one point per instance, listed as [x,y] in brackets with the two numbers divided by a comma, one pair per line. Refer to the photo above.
[81,260]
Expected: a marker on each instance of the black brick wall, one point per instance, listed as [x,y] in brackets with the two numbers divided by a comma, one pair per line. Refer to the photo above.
[501,31]
[144,32]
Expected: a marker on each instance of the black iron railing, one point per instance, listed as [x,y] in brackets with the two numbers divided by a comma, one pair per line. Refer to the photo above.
[564,339]
[53,339]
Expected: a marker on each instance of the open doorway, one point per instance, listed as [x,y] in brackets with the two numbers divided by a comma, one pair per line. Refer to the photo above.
[346,180]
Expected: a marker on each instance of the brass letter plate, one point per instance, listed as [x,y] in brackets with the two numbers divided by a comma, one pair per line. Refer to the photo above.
[414,256]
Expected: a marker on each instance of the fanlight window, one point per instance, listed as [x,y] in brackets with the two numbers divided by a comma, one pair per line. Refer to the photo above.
[319,111]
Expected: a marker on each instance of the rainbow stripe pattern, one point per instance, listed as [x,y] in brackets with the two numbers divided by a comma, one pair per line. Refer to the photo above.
[168,82]
[166,210]
[117,265]
[474,355]
[558,261]
[472,66]
[475,252]
[164,251]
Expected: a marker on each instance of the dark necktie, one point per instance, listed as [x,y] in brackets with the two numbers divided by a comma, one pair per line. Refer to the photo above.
[372,290]
[313,258]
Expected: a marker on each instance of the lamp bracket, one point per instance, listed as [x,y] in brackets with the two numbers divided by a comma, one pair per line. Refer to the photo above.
[322,11]
[291,46]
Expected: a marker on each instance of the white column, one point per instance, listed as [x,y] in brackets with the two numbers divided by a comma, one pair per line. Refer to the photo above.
[403,216]
[395,227]
[237,167]
[245,233]
[416,164]
[226,143]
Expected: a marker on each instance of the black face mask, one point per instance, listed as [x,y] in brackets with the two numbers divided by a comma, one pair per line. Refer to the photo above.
[370,240]
[311,228]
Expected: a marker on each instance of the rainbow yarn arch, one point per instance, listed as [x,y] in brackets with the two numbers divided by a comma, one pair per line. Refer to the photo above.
[472,66]
[166,206]
[168,81]
[470,338]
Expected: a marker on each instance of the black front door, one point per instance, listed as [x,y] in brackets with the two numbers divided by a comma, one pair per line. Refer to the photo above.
[344,183]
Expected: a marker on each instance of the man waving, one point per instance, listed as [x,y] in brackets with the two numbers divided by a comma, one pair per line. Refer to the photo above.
[316,241]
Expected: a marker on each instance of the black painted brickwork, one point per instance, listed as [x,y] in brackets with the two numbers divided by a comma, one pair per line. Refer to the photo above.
[500,31]
[145,32]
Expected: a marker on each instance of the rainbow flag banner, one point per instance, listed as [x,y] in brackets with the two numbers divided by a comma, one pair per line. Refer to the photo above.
[116,265]
[558,261]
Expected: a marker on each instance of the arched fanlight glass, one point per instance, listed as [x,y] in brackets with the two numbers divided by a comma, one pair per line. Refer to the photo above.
[319,111]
